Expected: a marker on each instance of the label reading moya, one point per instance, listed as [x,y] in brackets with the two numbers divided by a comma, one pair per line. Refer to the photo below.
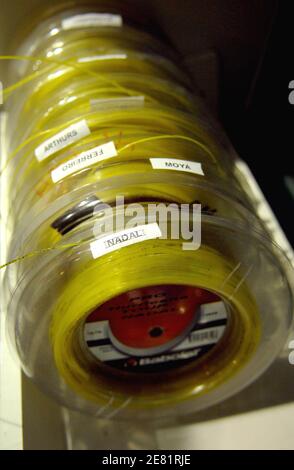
[155,329]
[84,160]
[63,139]
[177,165]
[92,20]
[123,238]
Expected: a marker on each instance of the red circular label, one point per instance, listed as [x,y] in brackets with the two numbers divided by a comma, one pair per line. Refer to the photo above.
[149,320]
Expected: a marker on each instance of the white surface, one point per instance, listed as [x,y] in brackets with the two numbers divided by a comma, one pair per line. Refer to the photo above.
[272,428]
[10,376]
[10,396]
[10,436]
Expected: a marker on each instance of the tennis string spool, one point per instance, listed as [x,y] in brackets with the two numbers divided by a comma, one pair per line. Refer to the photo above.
[122,321]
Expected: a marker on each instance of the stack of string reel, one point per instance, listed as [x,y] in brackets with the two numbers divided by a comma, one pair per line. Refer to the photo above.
[124,321]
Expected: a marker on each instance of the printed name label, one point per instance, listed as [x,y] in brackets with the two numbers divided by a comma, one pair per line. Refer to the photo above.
[61,140]
[95,58]
[124,238]
[92,19]
[125,102]
[84,160]
[213,311]
[177,165]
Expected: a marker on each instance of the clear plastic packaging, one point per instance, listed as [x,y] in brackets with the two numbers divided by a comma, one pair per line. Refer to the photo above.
[129,320]
[233,263]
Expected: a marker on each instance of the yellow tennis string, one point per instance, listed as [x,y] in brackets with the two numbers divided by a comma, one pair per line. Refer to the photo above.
[165,126]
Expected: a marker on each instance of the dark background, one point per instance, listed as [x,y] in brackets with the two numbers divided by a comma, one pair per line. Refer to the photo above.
[240,54]
[263,133]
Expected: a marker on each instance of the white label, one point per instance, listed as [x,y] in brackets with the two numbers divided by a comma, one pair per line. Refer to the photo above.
[83,160]
[95,58]
[96,330]
[212,312]
[121,103]
[61,140]
[92,20]
[203,337]
[124,238]
[178,165]
[107,352]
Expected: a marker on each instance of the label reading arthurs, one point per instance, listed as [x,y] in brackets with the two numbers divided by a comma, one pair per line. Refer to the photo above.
[66,137]
[156,328]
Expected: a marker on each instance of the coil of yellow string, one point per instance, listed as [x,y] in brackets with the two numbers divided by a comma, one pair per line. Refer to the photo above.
[98,108]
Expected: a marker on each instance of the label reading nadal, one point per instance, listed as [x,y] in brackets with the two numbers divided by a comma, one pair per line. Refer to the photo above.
[66,137]
[124,238]
[92,19]
[176,164]
[83,160]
